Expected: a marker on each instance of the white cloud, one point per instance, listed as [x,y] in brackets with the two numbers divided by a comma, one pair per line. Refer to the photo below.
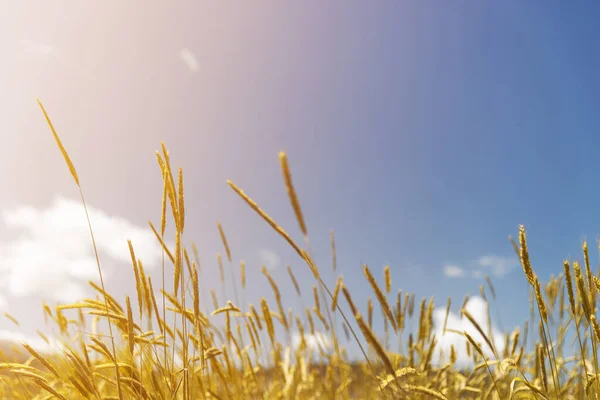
[453,271]
[496,265]
[53,257]
[477,307]
[270,259]
[189,59]
[477,274]
[313,342]
[37,48]
[39,344]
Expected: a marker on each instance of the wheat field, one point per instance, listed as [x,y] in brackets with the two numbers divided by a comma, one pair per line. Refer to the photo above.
[144,347]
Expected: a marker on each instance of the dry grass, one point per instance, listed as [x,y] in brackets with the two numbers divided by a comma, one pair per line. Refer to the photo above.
[179,352]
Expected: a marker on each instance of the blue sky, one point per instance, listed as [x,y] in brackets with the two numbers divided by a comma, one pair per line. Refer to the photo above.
[422,132]
[439,132]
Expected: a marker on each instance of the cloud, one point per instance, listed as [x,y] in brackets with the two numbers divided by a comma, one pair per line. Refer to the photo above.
[496,265]
[453,271]
[37,343]
[477,307]
[189,59]
[477,274]
[53,256]
[493,265]
[37,48]
[313,342]
[270,259]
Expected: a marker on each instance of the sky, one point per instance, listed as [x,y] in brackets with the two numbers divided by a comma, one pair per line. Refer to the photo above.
[423,133]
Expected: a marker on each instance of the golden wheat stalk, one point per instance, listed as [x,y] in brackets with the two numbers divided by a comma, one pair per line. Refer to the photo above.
[145,289]
[138,287]
[171,193]
[373,341]
[388,279]
[316,298]
[385,306]
[269,220]
[163,209]
[255,316]
[268,320]
[224,240]
[447,314]
[581,291]
[542,362]
[569,283]
[154,304]
[60,145]
[41,359]
[491,286]
[336,292]
[333,251]
[475,345]
[162,243]
[540,299]
[180,200]
[370,312]
[243,274]
[481,332]
[425,391]
[524,255]
[76,179]
[287,176]
[294,281]
[130,333]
